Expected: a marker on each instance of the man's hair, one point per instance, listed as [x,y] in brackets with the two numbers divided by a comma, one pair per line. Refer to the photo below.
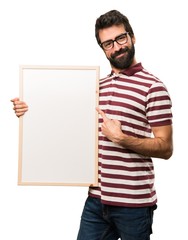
[109,19]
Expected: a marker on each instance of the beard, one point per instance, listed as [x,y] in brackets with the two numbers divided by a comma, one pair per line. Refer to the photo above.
[124,61]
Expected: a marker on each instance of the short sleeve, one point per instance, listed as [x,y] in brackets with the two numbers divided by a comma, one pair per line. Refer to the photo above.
[158,105]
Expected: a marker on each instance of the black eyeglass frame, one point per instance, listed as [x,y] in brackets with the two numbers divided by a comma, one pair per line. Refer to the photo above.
[115,40]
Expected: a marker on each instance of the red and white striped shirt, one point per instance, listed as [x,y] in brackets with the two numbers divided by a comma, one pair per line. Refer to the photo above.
[139,101]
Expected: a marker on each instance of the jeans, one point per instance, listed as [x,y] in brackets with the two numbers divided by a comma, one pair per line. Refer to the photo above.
[105,222]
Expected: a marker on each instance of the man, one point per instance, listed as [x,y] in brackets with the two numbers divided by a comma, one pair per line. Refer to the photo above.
[133,105]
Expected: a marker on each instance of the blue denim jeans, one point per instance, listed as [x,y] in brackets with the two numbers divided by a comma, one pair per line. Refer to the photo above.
[105,222]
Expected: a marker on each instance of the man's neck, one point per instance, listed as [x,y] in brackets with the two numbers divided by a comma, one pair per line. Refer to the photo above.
[116,70]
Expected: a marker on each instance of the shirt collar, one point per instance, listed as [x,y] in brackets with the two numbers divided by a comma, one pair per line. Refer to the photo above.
[131,70]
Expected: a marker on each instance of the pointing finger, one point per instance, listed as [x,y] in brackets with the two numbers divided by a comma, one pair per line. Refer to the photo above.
[103,115]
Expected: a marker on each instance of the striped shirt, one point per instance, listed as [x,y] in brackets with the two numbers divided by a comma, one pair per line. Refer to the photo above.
[139,100]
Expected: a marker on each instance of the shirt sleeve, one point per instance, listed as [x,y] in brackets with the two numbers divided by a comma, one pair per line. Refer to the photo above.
[158,105]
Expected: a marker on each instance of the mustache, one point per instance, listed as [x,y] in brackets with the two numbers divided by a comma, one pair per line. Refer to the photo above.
[122,50]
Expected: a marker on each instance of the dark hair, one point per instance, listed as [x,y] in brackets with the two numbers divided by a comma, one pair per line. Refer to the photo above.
[109,19]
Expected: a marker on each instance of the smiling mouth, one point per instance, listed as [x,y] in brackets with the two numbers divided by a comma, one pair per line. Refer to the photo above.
[121,55]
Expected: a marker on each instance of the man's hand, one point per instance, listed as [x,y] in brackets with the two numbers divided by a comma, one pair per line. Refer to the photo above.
[111,128]
[20,107]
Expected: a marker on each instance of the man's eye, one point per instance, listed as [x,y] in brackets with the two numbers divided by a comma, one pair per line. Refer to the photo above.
[107,44]
[121,38]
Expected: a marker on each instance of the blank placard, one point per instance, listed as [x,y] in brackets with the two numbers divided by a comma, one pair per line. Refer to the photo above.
[58,135]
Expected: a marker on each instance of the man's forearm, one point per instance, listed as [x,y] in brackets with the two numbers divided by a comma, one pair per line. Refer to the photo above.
[150,147]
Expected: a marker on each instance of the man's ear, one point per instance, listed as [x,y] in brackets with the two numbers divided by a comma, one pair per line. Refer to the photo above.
[134,39]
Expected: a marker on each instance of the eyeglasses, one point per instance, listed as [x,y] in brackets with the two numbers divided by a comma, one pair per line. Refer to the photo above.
[109,44]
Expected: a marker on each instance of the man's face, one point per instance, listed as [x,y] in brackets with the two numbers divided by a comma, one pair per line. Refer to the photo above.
[121,56]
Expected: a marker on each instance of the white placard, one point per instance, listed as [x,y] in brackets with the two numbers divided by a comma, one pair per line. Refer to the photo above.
[58,143]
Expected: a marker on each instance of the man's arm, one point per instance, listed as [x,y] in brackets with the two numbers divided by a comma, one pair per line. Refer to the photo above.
[160,146]
[20,107]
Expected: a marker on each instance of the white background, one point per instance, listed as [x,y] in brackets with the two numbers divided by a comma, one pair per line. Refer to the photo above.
[58,32]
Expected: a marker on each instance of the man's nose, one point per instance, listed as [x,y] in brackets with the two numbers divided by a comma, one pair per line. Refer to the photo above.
[117,46]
